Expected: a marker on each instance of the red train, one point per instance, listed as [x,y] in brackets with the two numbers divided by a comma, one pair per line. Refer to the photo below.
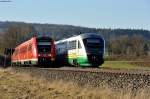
[36,51]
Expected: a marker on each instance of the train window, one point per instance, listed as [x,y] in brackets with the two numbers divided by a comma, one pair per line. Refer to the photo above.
[79,44]
[44,39]
[44,43]
[16,52]
[30,47]
[62,47]
[72,45]
[20,50]
[23,50]
[93,43]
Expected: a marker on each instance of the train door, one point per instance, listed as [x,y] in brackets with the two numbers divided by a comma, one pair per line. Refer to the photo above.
[79,52]
[72,52]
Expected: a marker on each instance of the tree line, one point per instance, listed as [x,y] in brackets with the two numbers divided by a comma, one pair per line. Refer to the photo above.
[134,47]
[122,43]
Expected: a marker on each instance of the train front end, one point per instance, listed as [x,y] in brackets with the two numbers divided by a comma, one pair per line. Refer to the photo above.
[46,50]
[94,47]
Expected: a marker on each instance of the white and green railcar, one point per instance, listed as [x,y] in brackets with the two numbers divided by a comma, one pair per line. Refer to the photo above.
[82,50]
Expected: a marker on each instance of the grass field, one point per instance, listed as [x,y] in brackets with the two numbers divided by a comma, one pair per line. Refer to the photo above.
[23,86]
[125,65]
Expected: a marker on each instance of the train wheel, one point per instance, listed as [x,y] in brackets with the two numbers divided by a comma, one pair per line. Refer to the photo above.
[75,62]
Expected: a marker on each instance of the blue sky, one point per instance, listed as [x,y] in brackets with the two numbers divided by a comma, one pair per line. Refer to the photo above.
[89,13]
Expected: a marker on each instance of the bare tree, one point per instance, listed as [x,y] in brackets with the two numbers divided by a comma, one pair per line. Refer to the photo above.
[14,34]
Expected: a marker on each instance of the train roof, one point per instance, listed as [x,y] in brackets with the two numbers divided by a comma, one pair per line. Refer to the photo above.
[24,41]
[32,35]
[83,36]
[88,35]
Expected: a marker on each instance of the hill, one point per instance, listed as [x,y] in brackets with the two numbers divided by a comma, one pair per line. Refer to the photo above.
[63,31]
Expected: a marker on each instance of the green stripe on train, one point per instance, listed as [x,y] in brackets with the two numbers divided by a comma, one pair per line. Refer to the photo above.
[82,61]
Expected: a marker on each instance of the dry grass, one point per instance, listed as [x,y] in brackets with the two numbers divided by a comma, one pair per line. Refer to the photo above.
[23,86]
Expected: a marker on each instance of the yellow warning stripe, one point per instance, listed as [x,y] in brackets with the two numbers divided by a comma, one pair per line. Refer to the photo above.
[75,55]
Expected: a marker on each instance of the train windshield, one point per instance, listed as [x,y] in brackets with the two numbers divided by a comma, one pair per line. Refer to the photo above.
[44,45]
[94,44]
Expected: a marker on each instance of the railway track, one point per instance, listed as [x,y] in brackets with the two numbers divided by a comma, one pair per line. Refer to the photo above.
[92,77]
[95,70]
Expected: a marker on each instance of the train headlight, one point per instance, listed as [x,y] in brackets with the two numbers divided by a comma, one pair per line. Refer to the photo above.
[52,59]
